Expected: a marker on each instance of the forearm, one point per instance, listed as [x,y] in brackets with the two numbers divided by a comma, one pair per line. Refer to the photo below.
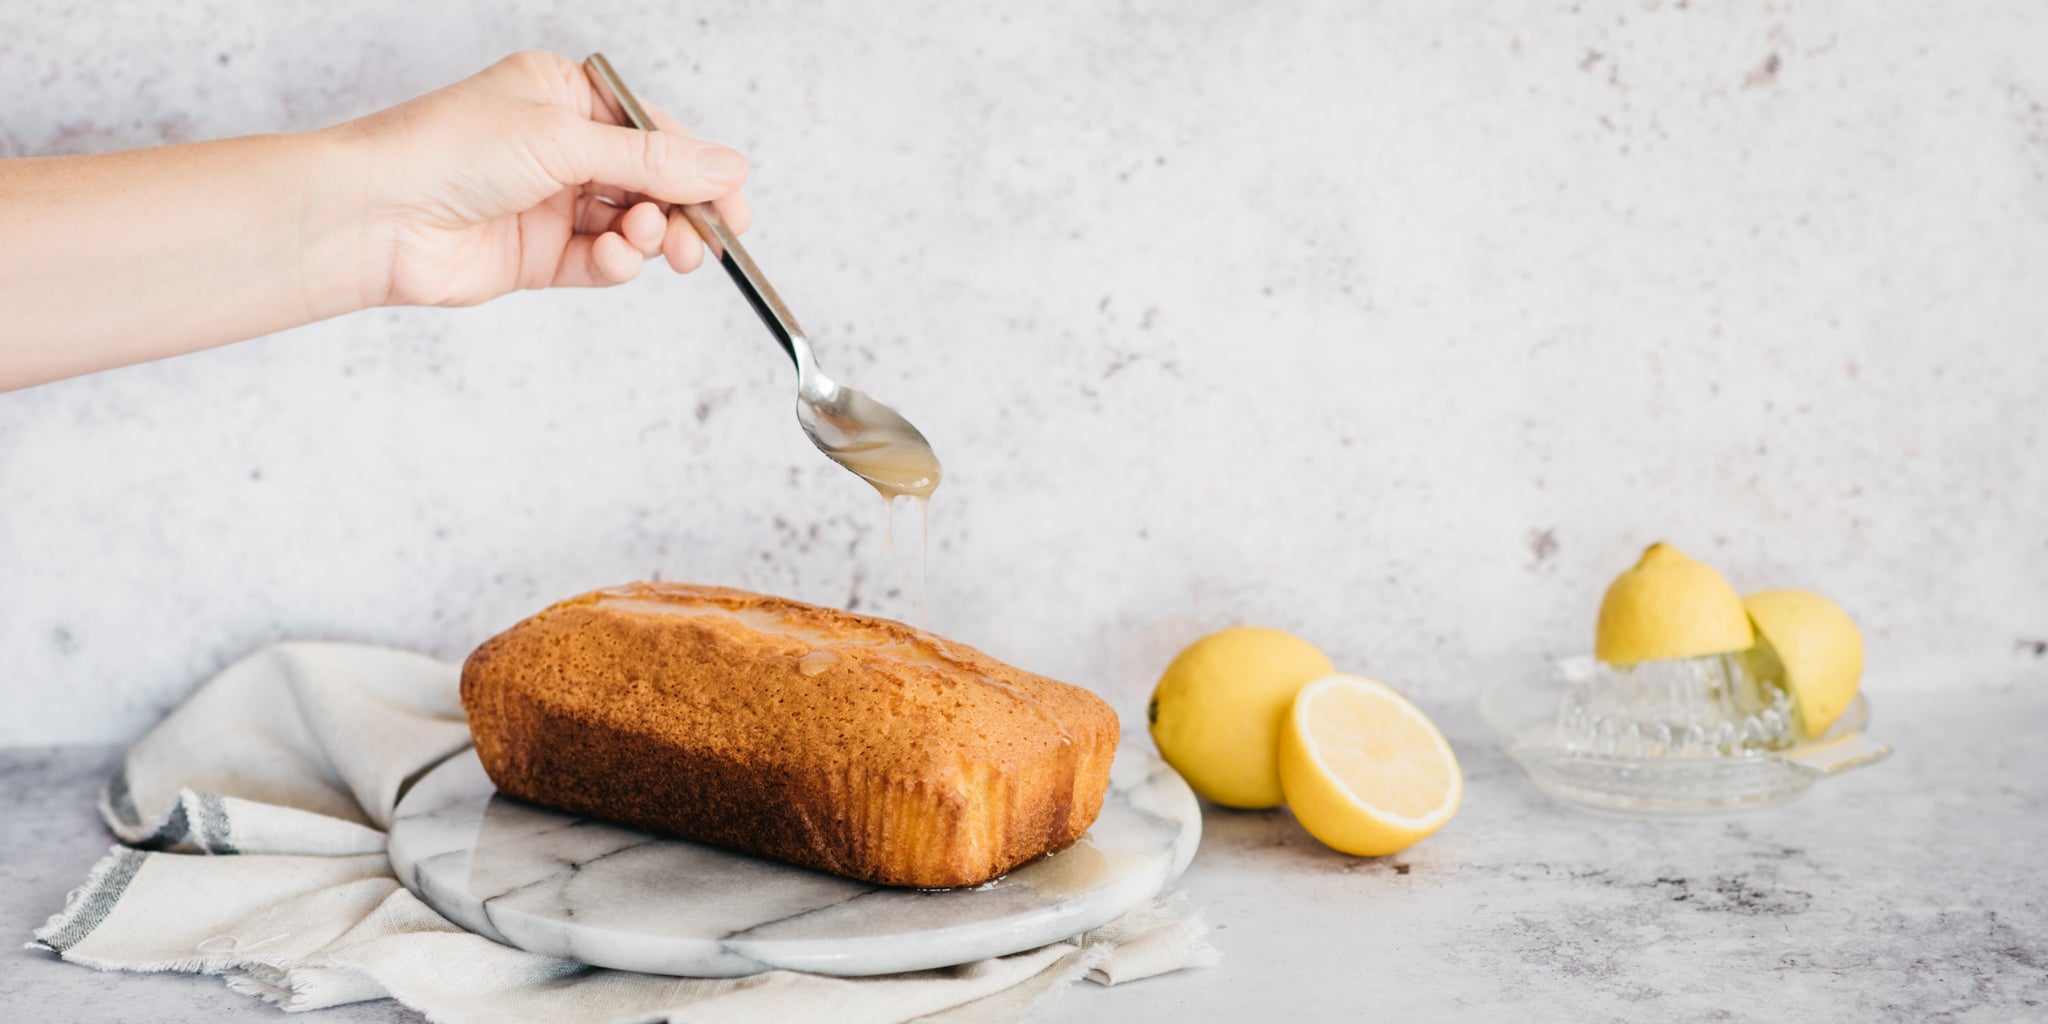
[127,257]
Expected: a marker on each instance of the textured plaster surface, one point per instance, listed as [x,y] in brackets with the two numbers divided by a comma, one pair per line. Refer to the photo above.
[1402,326]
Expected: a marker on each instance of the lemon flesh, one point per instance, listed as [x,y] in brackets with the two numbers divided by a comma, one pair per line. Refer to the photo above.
[1669,606]
[1811,647]
[1217,711]
[1364,770]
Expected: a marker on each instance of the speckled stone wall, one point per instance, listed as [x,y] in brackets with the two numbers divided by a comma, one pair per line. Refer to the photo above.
[1401,326]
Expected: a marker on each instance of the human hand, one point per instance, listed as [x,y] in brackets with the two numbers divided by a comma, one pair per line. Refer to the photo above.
[520,177]
[517,177]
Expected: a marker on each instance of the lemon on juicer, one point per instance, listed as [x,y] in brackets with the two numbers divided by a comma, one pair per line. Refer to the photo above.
[1811,647]
[1670,606]
[1217,712]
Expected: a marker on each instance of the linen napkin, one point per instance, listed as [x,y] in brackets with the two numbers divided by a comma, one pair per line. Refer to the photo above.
[255,817]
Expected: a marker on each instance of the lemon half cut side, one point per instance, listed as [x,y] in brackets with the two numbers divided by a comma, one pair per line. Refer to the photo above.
[1365,771]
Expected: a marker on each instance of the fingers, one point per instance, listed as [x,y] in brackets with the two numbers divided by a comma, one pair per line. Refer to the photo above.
[738,216]
[624,164]
[608,245]
[685,251]
[643,227]
[596,261]
[669,166]
[650,231]
[614,258]
[732,206]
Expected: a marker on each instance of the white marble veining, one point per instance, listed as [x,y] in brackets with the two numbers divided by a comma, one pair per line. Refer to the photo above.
[1403,326]
[575,887]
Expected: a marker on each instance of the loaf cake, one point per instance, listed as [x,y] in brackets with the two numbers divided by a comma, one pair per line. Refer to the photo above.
[837,741]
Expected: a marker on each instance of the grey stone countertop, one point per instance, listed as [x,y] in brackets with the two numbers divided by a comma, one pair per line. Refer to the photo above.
[1916,890]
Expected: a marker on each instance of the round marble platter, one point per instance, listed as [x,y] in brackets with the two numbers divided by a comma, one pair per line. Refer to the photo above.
[608,895]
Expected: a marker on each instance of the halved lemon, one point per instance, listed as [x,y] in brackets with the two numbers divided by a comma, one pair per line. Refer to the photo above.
[1365,771]
[1669,606]
[1808,644]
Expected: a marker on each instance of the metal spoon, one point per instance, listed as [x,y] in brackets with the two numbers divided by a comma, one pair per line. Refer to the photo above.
[856,431]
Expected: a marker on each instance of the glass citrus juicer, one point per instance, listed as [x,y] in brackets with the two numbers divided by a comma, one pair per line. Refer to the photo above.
[1645,731]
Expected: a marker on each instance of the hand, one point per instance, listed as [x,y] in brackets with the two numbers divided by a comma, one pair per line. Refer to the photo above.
[520,177]
[514,178]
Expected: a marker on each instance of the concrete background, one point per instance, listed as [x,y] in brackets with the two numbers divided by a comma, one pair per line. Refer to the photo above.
[1402,326]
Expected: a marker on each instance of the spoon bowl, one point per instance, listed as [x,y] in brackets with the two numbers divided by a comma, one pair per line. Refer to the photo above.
[872,440]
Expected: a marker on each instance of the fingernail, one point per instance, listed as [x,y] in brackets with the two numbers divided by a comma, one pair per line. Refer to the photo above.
[720,166]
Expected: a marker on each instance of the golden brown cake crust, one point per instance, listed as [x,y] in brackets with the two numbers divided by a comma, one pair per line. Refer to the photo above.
[851,744]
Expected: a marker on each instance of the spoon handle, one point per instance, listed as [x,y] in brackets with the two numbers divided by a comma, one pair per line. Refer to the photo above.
[724,245]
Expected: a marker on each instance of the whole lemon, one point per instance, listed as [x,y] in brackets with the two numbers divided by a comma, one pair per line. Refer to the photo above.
[1218,710]
[1669,606]
[1810,646]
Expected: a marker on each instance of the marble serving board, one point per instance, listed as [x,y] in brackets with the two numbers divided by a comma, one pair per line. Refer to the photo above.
[612,896]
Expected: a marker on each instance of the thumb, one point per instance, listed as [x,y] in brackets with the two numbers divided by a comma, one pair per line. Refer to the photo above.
[668,166]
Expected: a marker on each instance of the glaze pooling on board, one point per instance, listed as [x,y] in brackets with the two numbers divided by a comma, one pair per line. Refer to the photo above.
[571,886]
